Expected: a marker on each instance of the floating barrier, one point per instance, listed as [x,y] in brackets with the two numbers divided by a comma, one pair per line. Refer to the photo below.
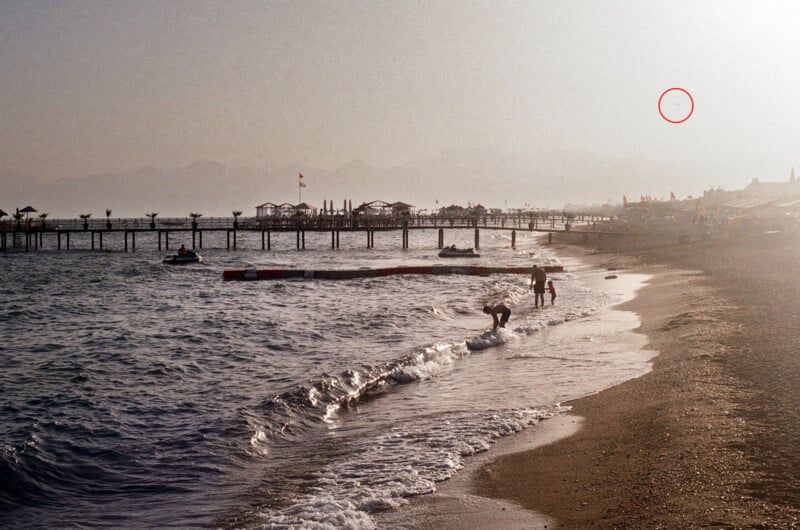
[348,274]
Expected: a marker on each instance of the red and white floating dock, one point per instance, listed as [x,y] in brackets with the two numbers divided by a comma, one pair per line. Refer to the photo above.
[347,274]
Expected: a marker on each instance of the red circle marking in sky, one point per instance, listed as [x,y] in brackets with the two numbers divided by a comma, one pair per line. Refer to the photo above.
[680,90]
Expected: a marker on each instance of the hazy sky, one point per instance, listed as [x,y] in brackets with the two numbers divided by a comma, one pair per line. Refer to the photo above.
[90,87]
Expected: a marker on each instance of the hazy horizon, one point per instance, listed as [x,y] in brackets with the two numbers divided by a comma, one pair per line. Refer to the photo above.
[94,88]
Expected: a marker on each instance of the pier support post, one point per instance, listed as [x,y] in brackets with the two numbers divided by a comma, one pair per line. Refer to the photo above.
[101,240]
[58,244]
[303,238]
[200,233]
[549,237]
[67,240]
[441,237]
[194,237]
[269,241]
[234,239]
[477,238]
[228,239]
[133,241]
[513,239]
[262,240]
[333,240]
[298,239]
[166,240]
[92,239]
[159,240]
[337,239]
[126,241]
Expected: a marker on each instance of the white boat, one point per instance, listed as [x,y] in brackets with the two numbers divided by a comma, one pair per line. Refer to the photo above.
[453,252]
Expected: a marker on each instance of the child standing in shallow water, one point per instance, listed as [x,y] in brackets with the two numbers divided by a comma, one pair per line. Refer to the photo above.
[552,289]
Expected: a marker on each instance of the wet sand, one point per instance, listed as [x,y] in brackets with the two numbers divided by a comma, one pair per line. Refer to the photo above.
[710,437]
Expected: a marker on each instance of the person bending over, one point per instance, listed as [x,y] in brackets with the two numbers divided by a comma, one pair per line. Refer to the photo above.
[500,309]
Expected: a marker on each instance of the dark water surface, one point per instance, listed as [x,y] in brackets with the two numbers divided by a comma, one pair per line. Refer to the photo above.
[137,394]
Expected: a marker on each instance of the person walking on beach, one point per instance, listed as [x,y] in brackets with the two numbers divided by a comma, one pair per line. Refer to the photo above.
[538,279]
[552,289]
[502,310]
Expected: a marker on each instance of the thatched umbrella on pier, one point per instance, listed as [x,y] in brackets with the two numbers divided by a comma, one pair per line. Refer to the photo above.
[27,210]
[2,213]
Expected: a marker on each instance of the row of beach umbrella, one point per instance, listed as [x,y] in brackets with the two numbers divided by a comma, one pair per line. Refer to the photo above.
[26,211]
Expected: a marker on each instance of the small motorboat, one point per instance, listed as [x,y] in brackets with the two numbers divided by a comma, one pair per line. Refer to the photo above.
[453,252]
[189,257]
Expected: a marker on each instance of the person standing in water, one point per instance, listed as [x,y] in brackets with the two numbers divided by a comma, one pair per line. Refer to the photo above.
[538,279]
[502,310]
[552,289]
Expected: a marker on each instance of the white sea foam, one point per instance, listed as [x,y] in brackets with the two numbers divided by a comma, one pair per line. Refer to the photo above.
[384,470]
[490,339]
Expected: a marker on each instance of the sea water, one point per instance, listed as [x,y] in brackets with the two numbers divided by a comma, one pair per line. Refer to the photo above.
[139,394]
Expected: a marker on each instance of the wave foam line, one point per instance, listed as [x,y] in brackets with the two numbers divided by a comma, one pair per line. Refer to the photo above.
[321,398]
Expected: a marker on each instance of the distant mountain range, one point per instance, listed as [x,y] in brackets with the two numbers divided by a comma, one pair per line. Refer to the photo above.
[456,177]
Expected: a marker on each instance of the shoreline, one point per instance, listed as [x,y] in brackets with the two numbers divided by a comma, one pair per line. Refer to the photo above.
[704,439]
[456,503]
[707,438]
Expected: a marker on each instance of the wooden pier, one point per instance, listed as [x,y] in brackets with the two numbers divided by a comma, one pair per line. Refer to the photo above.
[31,235]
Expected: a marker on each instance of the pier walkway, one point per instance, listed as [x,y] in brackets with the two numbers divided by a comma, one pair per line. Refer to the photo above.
[31,234]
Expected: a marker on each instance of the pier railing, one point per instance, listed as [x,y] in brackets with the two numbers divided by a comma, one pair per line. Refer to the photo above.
[321,222]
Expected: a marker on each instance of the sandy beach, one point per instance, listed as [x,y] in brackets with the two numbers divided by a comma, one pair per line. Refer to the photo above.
[709,437]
